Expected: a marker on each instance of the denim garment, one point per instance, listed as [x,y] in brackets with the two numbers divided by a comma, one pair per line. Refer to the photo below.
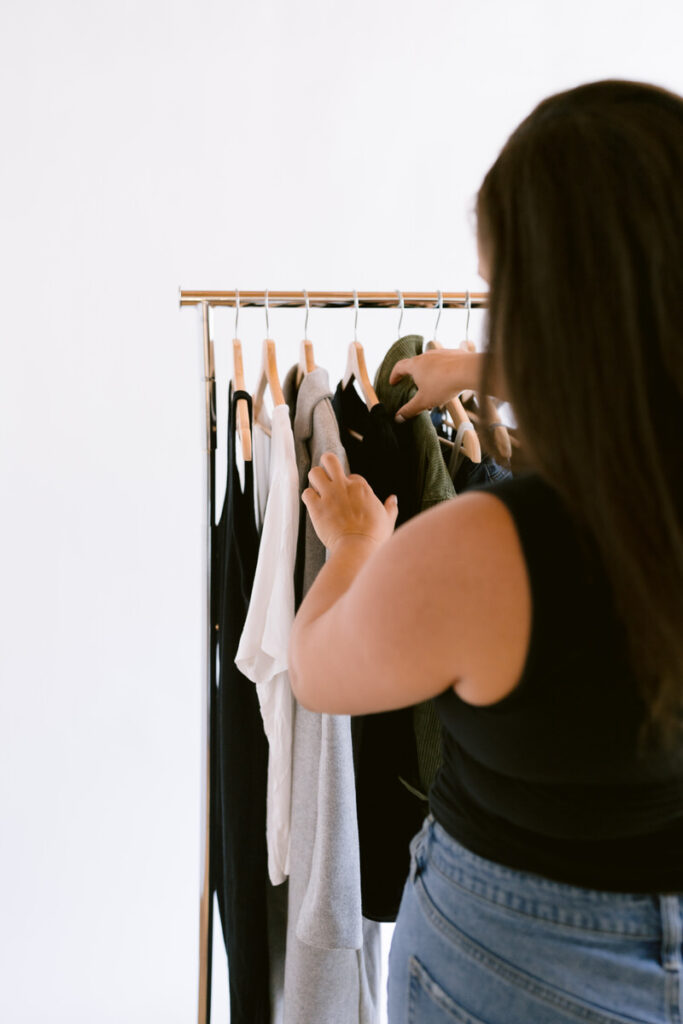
[478,943]
[468,474]
[465,473]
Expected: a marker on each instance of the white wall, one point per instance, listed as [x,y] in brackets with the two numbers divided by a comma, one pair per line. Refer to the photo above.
[148,145]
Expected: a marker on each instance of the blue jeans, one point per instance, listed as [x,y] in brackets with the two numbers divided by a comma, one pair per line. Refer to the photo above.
[479,943]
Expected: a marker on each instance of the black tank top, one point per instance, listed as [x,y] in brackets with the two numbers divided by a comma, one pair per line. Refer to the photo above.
[549,779]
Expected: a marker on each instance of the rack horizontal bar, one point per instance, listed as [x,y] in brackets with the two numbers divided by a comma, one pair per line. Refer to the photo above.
[339,300]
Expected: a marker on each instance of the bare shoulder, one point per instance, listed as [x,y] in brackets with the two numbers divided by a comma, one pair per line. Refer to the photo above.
[470,532]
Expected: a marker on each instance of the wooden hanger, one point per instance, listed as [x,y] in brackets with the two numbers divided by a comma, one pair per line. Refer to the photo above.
[243,425]
[306,360]
[499,433]
[356,369]
[306,357]
[500,438]
[268,377]
[467,346]
[243,428]
[456,410]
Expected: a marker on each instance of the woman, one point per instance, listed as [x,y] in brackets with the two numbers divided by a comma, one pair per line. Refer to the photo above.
[543,614]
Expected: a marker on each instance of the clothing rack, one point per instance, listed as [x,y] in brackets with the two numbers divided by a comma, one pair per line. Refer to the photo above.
[338,300]
[207,300]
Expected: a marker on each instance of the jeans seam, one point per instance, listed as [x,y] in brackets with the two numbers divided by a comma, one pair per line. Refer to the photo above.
[673,996]
[513,975]
[637,937]
[671,954]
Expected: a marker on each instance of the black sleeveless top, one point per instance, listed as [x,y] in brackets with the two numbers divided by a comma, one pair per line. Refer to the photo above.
[549,779]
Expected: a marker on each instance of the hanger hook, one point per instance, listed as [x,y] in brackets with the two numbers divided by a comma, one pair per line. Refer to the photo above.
[237,313]
[402,305]
[355,322]
[468,307]
[265,302]
[306,320]
[440,308]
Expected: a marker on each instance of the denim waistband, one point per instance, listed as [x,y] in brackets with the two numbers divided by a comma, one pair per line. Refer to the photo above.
[629,914]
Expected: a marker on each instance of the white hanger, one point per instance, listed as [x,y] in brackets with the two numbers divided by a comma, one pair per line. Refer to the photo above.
[402,307]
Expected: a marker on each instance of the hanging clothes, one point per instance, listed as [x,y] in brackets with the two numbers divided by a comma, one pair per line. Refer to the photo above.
[264,644]
[389,803]
[464,473]
[418,439]
[378,449]
[332,965]
[467,474]
[417,436]
[239,755]
[260,439]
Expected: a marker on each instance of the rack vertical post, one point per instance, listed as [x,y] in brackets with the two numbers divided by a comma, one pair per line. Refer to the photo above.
[209,677]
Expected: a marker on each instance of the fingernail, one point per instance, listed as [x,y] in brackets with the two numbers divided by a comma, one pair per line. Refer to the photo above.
[399,418]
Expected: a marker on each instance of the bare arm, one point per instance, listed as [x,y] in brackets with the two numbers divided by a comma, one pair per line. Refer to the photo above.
[441,373]
[374,632]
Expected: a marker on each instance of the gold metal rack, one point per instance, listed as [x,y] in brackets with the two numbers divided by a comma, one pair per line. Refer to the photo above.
[207,300]
[339,300]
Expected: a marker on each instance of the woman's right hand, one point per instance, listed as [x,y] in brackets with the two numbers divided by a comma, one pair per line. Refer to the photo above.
[438,374]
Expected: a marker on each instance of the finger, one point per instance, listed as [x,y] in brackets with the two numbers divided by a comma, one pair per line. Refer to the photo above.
[410,409]
[310,497]
[356,478]
[332,466]
[318,479]
[391,506]
[401,369]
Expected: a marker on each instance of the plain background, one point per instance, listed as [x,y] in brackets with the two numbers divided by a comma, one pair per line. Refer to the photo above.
[149,145]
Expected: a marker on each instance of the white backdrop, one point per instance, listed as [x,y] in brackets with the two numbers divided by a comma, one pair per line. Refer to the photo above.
[148,144]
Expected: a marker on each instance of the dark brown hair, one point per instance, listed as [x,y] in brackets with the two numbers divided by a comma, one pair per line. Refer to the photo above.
[581,220]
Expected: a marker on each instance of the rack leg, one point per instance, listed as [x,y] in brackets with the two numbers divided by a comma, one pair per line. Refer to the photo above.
[209,675]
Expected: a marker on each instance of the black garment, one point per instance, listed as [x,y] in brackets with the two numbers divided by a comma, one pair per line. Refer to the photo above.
[549,779]
[388,785]
[432,483]
[378,449]
[240,756]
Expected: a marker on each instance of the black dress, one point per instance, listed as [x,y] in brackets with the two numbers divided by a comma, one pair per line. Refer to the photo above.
[390,798]
[239,872]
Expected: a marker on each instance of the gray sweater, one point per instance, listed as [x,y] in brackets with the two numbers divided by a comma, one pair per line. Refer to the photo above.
[332,955]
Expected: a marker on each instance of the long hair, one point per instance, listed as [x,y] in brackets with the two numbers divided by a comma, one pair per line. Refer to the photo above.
[581,219]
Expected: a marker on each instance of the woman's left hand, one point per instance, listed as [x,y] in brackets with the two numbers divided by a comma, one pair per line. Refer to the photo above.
[341,505]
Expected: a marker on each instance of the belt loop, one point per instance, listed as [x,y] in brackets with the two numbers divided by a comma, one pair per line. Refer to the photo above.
[672,932]
[417,848]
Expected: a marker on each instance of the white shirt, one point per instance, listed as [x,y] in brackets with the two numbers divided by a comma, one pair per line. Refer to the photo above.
[260,437]
[263,647]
